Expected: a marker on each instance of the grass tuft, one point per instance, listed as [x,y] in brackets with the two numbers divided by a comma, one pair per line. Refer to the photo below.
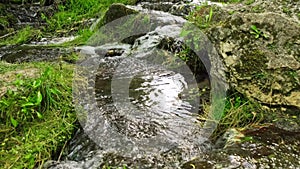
[239,112]
[22,36]
[36,114]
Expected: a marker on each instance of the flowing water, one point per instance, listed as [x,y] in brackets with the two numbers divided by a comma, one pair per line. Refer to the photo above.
[138,103]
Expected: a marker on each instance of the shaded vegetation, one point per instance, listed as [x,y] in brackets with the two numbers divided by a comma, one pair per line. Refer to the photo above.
[73,17]
[202,16]
[239,112]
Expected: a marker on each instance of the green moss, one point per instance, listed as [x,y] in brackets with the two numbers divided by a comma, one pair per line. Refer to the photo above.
[7,19]
[257,9]
[292,79]
[250,62]
[286,10]
[272,47]
[249,2]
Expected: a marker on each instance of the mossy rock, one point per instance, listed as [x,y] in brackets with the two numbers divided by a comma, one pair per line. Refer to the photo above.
[261,52]
[116,11]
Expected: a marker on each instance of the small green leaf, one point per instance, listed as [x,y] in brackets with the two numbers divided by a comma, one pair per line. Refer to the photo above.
[210,14]
[253,27]
[231,12]
[24,110]
[14,122]
[19,82]
[55,91]
[39,115]
[39,98]
[206,18]
[248,138]
[5,102]
[28,104]
[265,36]
[10,92]
[28,156]
[36,83]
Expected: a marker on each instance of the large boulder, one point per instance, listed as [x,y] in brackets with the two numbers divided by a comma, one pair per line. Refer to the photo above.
[261,50]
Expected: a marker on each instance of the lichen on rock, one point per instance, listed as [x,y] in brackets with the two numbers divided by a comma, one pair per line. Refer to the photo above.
[261,51]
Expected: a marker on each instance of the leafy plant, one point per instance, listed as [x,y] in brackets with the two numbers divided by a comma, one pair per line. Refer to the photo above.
[36,115]
[29,100]
[202,16]
[184,54]
[209,16]
[255,31]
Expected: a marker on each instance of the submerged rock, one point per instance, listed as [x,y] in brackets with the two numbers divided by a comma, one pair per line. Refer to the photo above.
[262,147]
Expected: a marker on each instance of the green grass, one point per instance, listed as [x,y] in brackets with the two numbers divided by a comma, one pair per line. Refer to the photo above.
[71,18]
[75,12]
[239,112]
[3,21]
[25,1]
[202,16]
[22,36]
[36,113]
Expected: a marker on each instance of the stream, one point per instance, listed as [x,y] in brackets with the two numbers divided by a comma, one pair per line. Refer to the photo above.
[145,107]
[138,103]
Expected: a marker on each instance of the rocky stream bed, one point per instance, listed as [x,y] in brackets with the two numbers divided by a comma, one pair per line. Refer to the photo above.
[154,124]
